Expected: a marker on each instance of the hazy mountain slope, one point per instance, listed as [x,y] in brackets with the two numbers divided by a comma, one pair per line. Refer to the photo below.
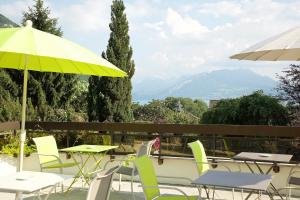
[214,85]
[5,22]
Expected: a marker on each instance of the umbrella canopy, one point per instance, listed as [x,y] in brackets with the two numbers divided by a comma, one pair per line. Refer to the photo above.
[32,49]
[282,47]
[27,48]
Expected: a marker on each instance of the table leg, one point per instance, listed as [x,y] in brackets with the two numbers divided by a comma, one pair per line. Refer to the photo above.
[80,172]
[271,184]
[252,171]
[47,196]
[207,192]
[258,167]
[98,161]
[249,167]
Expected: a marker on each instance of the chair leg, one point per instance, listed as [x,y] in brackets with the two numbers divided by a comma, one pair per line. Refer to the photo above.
[133,197]
[120,179]
[242,194]
[207,192]
[62,187]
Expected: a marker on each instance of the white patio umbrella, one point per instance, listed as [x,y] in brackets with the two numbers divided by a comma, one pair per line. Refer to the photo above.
[282,47]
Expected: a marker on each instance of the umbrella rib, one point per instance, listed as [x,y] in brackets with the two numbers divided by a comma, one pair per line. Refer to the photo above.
[76,66]
[91,68]
[103,67]
[3,44]
[39,59]
[262,55]
[55,60]
[20,60]
[276,59]
[106,71]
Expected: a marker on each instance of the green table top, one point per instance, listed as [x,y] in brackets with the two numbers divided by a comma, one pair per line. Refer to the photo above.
[89,148]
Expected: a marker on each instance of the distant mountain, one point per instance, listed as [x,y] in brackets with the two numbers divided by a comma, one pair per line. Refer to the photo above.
[5,22]
[214,85]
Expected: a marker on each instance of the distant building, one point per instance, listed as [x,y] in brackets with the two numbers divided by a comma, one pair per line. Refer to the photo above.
[212,103]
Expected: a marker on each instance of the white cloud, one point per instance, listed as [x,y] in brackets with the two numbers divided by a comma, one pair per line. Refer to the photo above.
[221,8]
[184,25]
[14,9]
[86,16]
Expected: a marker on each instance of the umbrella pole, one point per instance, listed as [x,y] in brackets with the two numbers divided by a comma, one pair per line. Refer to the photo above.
[23,131]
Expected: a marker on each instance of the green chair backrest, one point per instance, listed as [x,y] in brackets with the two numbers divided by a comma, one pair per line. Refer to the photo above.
[46,145]
[200,156]
[147,176]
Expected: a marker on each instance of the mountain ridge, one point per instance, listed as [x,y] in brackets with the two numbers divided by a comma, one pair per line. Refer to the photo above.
[217,84]
[6,23]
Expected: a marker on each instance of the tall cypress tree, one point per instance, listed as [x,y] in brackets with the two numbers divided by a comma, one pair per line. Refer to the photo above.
[110,98]
[48,89]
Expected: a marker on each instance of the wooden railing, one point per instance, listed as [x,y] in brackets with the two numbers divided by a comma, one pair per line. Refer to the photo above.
[113,128]
[217,138]
[9,126]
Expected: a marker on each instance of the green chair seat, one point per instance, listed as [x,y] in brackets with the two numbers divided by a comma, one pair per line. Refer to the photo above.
[61,165]
[177,197]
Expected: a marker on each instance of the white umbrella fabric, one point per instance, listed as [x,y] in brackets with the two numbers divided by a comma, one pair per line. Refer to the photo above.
[282,47]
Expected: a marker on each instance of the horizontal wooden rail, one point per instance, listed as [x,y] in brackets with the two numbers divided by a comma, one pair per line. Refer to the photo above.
[237,130]
[8,126]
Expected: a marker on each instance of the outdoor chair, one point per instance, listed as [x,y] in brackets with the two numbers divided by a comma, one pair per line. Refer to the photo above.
[150,185]
[145,149]
[293,181]
[100,186]
[48,154]
[202,163]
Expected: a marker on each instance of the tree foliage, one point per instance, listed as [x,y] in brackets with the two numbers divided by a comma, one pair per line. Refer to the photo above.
[170,110]
[254,109]
[195,107]
[289,91]
[109,99]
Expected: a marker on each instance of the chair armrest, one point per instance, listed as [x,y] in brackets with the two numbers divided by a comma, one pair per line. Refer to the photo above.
[170,188]
[50,155]
[118,160]
[233,162]
[292,171]
[175,177]
[182,178]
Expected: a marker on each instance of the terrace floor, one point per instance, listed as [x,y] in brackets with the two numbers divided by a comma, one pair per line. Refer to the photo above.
[80,193]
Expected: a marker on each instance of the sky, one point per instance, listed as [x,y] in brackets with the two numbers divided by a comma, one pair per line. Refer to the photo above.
[178,38]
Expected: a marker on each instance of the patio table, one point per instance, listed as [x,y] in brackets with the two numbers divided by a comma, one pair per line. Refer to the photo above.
[31,182]
[257,158]
[235,180]
[91,151]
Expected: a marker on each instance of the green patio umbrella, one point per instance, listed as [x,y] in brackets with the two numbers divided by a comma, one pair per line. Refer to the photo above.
[27,48]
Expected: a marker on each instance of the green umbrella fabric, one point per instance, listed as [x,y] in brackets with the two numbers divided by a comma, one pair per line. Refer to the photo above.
[26,48]
[40,51]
